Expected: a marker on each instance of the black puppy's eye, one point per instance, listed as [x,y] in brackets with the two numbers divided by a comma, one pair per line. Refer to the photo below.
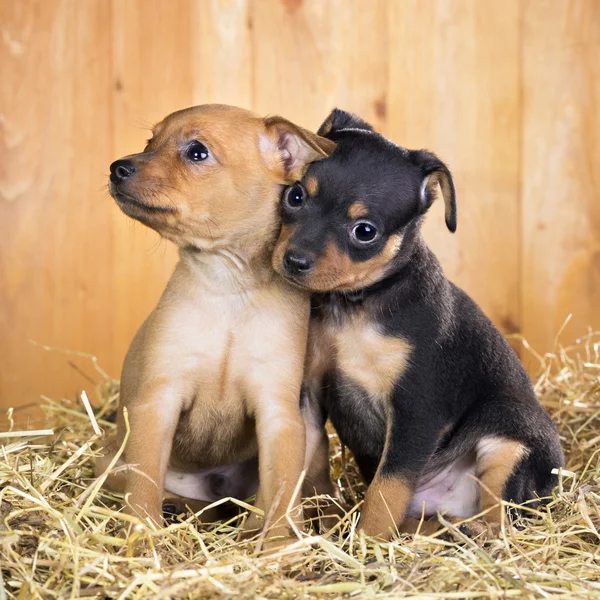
[364,232]
[197,152]
[294,196]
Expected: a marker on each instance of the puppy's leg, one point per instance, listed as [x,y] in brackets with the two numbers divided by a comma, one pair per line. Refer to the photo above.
[152,424]
[318,480]
[318,475]
[316,460]
[497,459]
[281,447]
[411,437]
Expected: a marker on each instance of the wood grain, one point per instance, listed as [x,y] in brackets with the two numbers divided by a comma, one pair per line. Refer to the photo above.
[221,48]
[507,93]
[561,169]
[312,56]
[458,95]
[55,228]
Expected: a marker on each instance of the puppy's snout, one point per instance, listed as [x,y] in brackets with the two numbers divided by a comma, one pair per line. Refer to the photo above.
[297,264]
[121,170]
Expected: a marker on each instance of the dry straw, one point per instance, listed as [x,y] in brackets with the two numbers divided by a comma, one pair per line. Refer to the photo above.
[62,536]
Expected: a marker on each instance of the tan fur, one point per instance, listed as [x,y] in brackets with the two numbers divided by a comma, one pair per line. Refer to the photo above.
[387,498]
[213,376]
[312,186]
[371,359]
[287,231]
[494,469]
[357,210]
[327,125]
[385,505]
[320,354]
[335,270]
[441,179]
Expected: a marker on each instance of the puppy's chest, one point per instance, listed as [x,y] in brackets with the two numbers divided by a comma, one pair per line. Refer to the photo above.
[355,348]
[215,426]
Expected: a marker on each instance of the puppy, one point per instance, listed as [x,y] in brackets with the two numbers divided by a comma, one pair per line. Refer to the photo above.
[213,376]
[417,381]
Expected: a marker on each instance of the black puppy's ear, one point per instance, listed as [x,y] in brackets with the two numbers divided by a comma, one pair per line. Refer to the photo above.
[434,171]
[340,119]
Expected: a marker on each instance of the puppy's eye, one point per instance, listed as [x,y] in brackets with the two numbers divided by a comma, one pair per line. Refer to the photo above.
[294,196]
[364,232]
[197,152]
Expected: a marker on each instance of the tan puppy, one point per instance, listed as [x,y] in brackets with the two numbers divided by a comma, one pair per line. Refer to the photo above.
[213,375]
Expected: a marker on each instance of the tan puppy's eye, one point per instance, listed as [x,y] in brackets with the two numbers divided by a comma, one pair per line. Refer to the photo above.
[294,196]
[197,152]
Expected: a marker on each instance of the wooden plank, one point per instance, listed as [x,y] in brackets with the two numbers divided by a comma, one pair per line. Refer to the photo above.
[561,169]
[54,226]
[222,52]
[454,89]
[311,56]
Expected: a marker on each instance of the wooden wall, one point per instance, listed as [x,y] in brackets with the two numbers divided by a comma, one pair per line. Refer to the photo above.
[508,93]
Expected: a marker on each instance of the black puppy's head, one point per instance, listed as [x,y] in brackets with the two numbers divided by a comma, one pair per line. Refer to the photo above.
[346,222]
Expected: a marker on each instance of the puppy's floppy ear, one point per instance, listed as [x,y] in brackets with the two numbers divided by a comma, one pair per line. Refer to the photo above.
[289,149]
[340,119]
[434,171]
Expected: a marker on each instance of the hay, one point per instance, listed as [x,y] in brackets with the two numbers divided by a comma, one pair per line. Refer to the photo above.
[61,536]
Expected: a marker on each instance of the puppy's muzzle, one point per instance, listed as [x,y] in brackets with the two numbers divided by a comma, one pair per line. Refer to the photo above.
[121,170]
[296,263]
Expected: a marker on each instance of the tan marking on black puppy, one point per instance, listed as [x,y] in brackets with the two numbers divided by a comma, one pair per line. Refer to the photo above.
[357,210]
[385,505]
[388,496]
[213,375]
[286,233]
[495,465]
[326,126]
[369,358]
[335,270]
[422,527]
[442,179]
[312,185]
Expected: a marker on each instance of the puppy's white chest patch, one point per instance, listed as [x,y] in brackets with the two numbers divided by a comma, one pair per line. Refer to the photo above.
[370,358]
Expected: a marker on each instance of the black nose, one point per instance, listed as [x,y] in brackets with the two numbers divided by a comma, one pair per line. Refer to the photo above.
[295,263]
[121,170]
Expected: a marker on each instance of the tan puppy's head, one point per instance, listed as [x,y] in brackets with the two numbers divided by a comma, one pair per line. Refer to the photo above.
[211,175]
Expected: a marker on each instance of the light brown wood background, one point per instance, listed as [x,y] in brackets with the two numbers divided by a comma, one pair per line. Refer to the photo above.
[508,93]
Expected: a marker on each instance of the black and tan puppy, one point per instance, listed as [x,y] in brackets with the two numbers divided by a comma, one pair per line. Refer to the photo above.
[419,384]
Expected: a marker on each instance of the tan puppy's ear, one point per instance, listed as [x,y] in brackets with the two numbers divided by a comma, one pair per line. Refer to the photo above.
[288,149]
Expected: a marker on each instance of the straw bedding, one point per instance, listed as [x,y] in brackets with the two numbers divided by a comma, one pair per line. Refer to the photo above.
[62,536]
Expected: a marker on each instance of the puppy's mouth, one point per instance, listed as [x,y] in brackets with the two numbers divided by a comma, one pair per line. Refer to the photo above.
[321,282]
[129,203]
[294,280]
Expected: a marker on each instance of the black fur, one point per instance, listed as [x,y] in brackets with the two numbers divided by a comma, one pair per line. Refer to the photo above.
[463,378]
